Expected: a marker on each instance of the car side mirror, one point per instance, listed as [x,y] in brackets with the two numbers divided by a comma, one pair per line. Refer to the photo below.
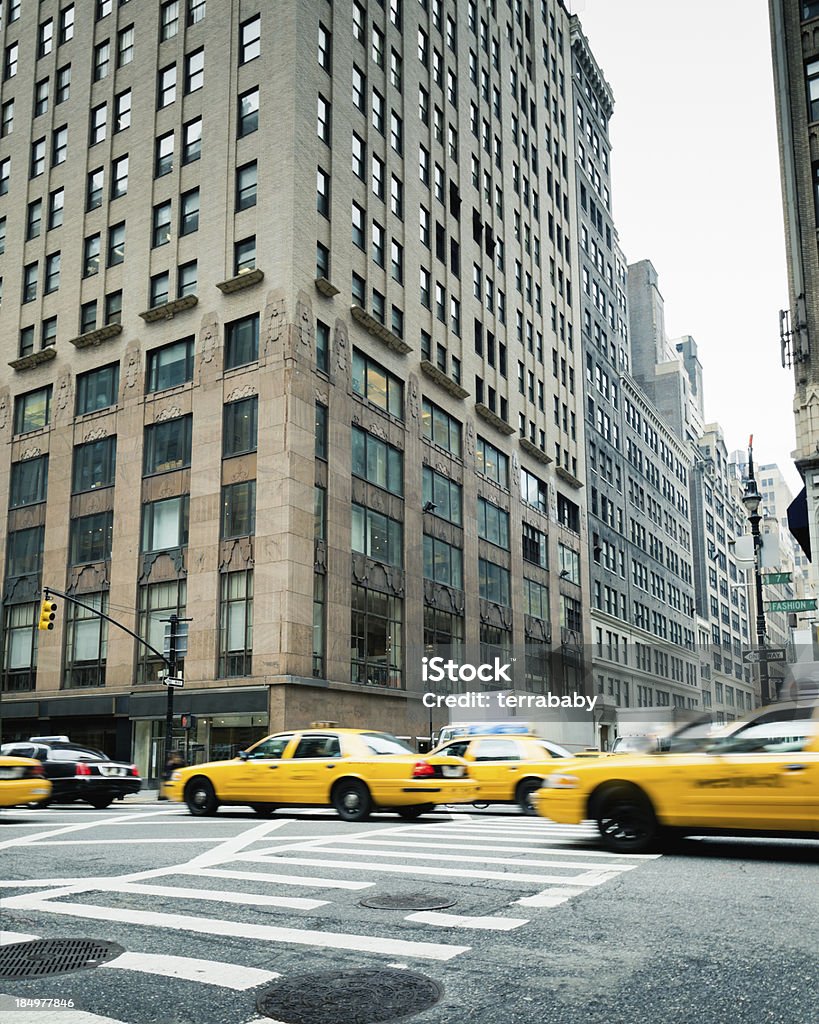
[243,755]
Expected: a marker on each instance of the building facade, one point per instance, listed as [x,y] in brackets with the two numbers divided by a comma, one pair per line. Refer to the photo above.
[288,304]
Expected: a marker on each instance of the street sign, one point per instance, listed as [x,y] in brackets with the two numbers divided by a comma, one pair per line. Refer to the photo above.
[796,604]
[768,654]
[174,681]
[777,577]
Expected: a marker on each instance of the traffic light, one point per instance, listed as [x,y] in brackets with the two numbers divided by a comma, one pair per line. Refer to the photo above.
[187,721]
[48,613]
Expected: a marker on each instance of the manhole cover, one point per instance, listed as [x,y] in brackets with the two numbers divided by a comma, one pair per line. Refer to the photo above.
[367,996]
[407,901]
[43,957]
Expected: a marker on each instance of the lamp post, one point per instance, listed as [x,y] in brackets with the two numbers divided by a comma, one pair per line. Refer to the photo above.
[752,499]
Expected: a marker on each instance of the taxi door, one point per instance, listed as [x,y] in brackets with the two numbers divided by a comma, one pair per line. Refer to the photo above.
[772,791]
[308,772]
[495,764]
[255,779]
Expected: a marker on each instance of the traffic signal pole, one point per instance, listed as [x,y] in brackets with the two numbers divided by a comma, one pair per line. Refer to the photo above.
[174,621]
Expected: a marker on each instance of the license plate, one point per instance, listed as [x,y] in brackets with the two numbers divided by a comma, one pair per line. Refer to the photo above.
[113,771]
[452,771]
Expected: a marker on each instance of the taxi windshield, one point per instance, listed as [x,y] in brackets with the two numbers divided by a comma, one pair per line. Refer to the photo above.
[384,743]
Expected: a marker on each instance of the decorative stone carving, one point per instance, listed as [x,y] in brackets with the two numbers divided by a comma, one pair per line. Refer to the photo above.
[237,554]
[439,596]
[173,412]
[275,316]
[470,439]
[31,453]
[208,343]
[341,344]
[321,396]
[163,566]
[515,469]
[304,324]
[21,589]
[244,392]
[496,615]
[4,409]
[413,396]
[95,435]
[238,472]
[320,557]
[131,374]
[63,392]
[89,579]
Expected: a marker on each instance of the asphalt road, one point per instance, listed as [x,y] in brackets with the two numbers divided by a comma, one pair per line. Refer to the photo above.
[545,926]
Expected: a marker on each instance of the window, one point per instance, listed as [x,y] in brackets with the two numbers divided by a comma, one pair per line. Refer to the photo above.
[91,255]
[493,523]
[29,482]
[166,86]
[161,233]
[376,646]
[242,341]
[116,244]
[359,89]
[122,111]
[535,546]
[56,201]
[322,346]
[325,48]
[165,524]
[94,465]
[38,154]
[24,550]
[443,562]
[239,509]
[378,462]
[194,71]
[119,177]
[491,462]
[186,279]
[30,282]
[125,46]
[377,536]
[246,180]
[10,65]
[359,156]
[104,8]
[569,564]
[167,446]
[244,255]
[91,538]
[240,430]
[63,83]
[159,292]
[113,307]
[358,226]
[26,345]
[52,273]
[97,130]
[568,513]
[7,119]
[378,111]
[533,491]
[40,98]
[88,316]
[445,494]
[812,78]
[170,365]
[86,643]
[168,20]
[323,117]
[196,11]
[45,38]
[5,174]
[93,189]
[66,24]
[33,221]
[323,192]
[192,141]
[321,431]
[59,145]
[156,602]
[189,212]
[248,112]
[377,385]
[536,599]
[493,582]
[48,334]
[250,39]
[440,428]
[236,623]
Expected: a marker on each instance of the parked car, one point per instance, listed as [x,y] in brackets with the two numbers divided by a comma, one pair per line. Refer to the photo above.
[760,778]
[77,772]
[22,781]
[356,771]
[507,768]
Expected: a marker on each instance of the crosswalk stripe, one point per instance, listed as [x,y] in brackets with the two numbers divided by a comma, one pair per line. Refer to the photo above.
[556,842]
[260,876]
[9,938]
[417,869]
[245,930]
[460,859]
[60,1016]
[219,896]
[550,897]
[206,972]
[497,924]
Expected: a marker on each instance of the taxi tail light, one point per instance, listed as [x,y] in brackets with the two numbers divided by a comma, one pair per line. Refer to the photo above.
[82,769]
[423,770]
[35,771]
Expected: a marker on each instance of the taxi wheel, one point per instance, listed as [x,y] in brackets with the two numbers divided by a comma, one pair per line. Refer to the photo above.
[264,810]
[524,795]
[39,805]
[200,798]
[352,800]
[101,802]
[410,813]
[626,821]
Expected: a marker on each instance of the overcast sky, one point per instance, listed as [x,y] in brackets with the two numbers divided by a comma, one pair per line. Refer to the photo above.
[696,190]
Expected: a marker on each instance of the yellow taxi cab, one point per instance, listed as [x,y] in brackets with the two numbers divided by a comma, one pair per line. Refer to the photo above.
[761,777]
[507,769]
[356,771]
[22,781]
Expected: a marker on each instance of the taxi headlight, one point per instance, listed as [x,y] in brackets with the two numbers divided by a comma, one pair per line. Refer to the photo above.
[176,776]
[561,782]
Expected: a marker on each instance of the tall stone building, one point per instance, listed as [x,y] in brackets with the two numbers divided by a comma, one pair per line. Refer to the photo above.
[289,298]
[795,47]
[642,596]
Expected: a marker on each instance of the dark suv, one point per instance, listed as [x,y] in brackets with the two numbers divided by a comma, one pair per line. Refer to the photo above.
[77,772]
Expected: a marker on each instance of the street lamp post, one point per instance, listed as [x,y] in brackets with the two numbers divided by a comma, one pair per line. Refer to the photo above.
[752,499]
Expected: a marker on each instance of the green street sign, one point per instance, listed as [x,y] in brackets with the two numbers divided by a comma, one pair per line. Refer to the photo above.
[800,604]
[777,577]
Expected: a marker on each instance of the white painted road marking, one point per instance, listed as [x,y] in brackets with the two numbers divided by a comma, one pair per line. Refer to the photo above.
[206,972]
[260,876]
[497,924]
[219,896]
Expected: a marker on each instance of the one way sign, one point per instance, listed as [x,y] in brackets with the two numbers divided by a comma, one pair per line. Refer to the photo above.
[766,654]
